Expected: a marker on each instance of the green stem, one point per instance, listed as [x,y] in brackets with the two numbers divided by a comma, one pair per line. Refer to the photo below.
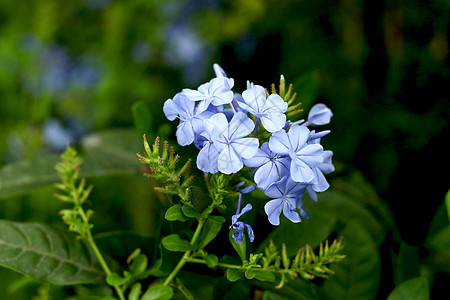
[187,254]
[97,252]
[239,267]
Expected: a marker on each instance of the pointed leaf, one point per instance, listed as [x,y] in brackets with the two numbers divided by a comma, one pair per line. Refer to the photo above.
[47,254]
[211,229]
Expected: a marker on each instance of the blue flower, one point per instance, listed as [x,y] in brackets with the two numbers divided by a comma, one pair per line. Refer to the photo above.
[285,194]
[216,92]
[319,114]
[207,158]
[304,156]
[191,122]
[239,225]
[320,183]
[231,141]
[271,166]
[269,110]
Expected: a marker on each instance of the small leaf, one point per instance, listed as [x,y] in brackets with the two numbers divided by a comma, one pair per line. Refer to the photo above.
[211,260]
[174,213]
[240,248]
[233,275]
[190,211]
[173,242]
[211,229]
[416,288]
[158,292]
[265,276]
[47,254]
[250,274]
[135,291]
[115,279]
[139,265]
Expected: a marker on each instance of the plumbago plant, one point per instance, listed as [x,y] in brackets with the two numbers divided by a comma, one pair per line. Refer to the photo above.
[254,151]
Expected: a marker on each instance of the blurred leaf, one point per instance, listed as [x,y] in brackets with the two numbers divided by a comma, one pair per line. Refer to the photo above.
[447,204]
[115,279]
[416,289]
[211,260]
[268,295]
[107,153]
[173,242]
[358,275]
[298,288]
[307,88]
[234,275]
[120,243]
[439,248]
[142,118]
[310,231]
[249,274]
[158,292]
[47,254]
[265,276]
[211,229]
[139,265]
[408,262]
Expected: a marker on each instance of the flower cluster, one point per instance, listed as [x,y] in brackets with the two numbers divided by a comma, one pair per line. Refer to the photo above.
[228,127]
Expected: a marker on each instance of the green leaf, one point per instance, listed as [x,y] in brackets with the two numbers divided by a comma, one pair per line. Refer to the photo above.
[249,274]
[142,118]
[358,275]
[174,213]
[416,288]
[240,248]
[190,211]
[408,262]
[268,295]
[173,242]
[234,275]
[47,254]
[135,291]
[139,265]
[211,260]
[211,229]
[439,247]
[447,204]
[115,279]
[310,231]
[265,276]
[307,88]
[107,153]
[158,292]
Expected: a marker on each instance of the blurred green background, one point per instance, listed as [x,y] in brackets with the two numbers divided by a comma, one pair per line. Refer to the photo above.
[72,68]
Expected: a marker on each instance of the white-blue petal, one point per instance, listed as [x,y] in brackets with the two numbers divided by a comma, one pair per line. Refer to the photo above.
[245,147]
[273,210]
[229,161]
[185,133]
[279,143]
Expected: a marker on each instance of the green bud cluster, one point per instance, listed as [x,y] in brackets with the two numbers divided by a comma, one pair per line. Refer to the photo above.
[75,191]
[163,168]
